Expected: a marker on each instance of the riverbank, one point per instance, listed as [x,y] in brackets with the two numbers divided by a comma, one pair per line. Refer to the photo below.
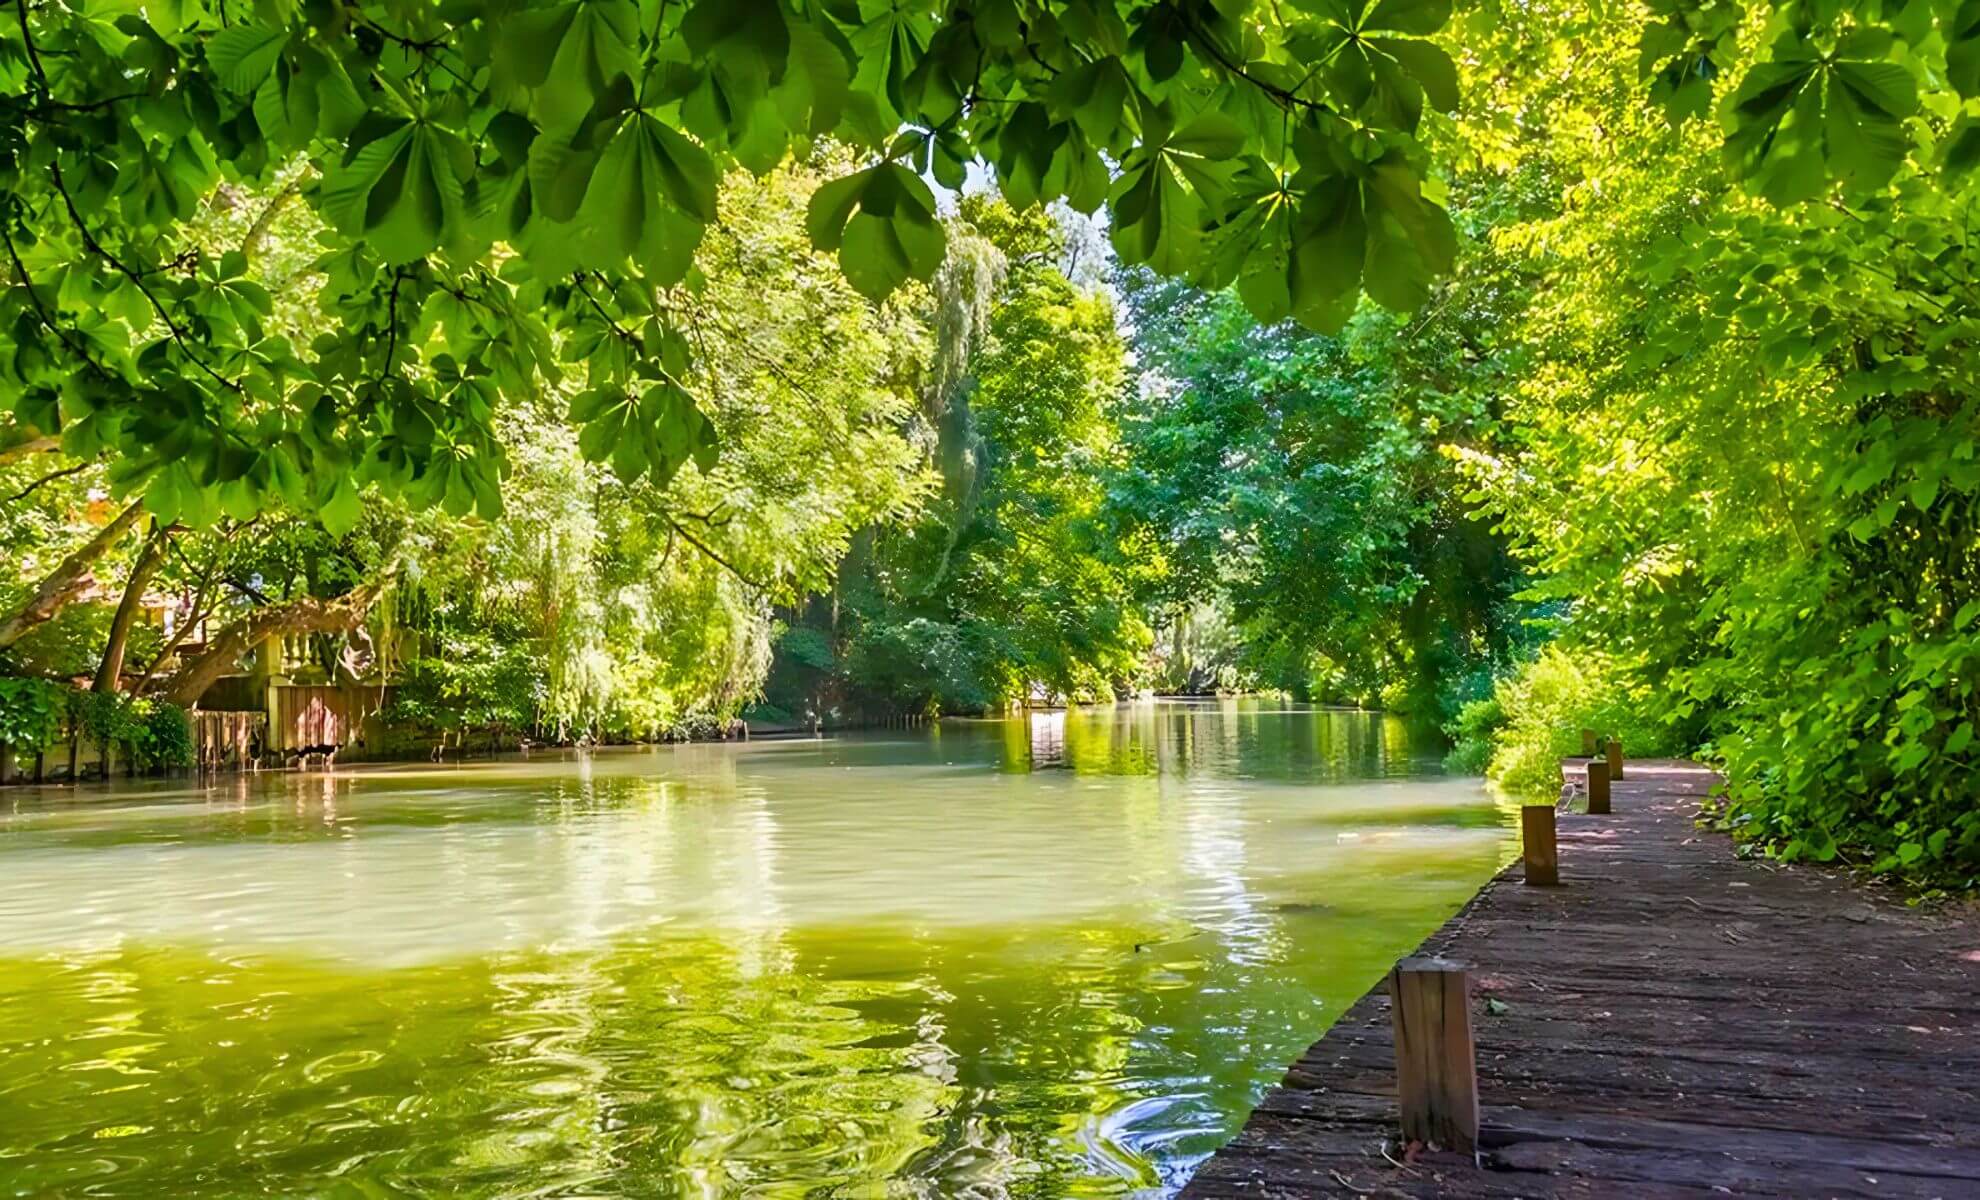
[1670,1021]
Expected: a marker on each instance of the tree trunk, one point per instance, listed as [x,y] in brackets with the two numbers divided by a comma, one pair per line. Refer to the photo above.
[67,581]
[111,669]
[307,615]
[194,618]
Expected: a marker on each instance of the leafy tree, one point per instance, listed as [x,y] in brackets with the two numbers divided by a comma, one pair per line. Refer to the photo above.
[620,608]
[1294,482]
[503,192]
[1740,454]
[1011,579]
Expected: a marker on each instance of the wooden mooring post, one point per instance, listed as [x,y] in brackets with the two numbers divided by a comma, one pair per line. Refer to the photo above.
[1615,757]
[1436,1063]
[1587,743]
[1536,832]
[1598,786]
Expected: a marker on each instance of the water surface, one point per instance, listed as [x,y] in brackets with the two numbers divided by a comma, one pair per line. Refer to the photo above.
[1053,956]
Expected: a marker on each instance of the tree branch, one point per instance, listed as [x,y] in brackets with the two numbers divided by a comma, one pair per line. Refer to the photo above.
[51,477]
[307,614]
[702,546]
[198,613]
[111,669]
[1224,60]
[67,581]
[257,231]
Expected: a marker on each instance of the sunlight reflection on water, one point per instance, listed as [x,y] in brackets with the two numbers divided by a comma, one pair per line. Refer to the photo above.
[1047,956]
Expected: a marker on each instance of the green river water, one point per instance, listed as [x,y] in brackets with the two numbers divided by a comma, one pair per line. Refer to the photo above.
[1059,955]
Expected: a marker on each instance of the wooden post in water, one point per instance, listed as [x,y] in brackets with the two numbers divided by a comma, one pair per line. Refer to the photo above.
[1615,757]
[1598,786]
[1536,829]
[1587,742]
[1436,1064]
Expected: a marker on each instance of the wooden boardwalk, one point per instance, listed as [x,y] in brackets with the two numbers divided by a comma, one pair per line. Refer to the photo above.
[1669,1022]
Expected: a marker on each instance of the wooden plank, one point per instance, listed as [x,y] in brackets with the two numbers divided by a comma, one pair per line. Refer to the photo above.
[1679,1023]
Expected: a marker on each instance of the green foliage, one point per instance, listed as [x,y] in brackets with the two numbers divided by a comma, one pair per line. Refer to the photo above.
[478,683]
[1011,580]
[34,714]
[101,717]
[1200,650]
[1537,713]
[918,663]
[1708,377]
[31,714]
[1473,733]
[159,734]
[1741,453]
[1807,117]
[506,200]
[606,602]
[1295,478]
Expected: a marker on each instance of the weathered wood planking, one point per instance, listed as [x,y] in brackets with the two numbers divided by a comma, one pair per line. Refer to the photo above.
[1669,1022]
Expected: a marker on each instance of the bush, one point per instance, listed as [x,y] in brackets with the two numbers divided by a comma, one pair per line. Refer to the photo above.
[160,736]
[478,684]
[1472,733]
[1544,706]
[31,715]
[99,717]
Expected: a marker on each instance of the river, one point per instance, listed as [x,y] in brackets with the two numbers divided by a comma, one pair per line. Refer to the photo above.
[1057,955]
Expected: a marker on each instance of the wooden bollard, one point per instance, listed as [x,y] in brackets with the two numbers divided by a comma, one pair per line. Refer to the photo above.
[1436,1064]
[1536,830]
[1588,743]
[1598,786]
[1615,758]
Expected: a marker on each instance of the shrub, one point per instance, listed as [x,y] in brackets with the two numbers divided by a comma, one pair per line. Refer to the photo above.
[920,664]
[1546,704]
[1472,733]
[160,735]
[100,717]
[31,714]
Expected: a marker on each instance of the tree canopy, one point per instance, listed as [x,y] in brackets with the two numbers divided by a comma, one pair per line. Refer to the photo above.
[1738,440]
[504,190]
[509,190]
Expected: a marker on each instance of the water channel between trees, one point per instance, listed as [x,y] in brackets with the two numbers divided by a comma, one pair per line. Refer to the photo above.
[1060,954]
